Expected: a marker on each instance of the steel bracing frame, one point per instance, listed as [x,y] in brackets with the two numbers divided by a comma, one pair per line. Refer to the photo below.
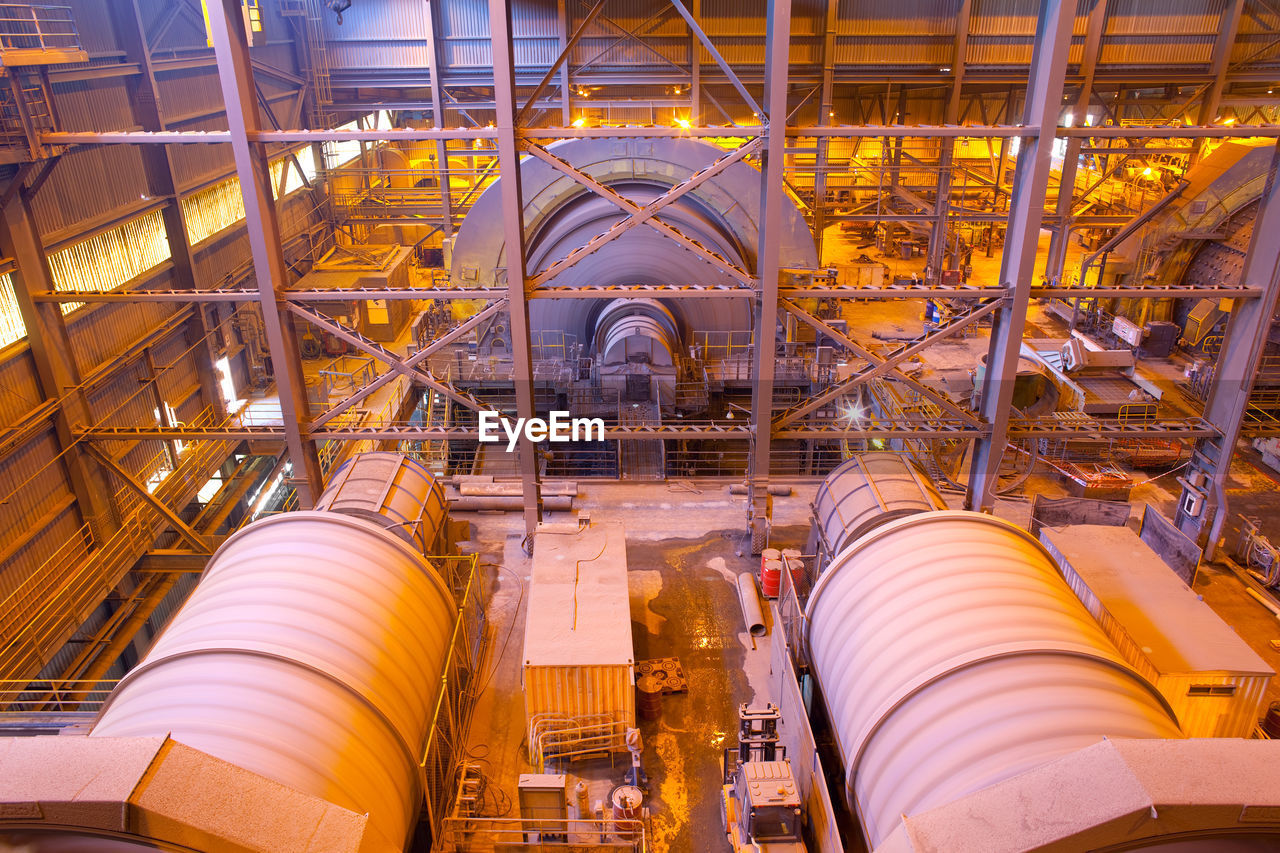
[522,100]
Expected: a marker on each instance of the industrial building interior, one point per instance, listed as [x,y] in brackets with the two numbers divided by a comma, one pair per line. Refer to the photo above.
[659,425]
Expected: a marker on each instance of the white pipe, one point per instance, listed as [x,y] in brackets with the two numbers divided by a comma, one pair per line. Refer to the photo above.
[752,616]
[1262,599]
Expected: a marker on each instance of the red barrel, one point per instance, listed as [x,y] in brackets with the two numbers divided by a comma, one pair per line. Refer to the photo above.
[627,803]
[791,560]
[648,697]
[770,577]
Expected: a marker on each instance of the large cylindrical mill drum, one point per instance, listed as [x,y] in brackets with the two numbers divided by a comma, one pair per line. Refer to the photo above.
[311,653]
[868,490]
[951,655]
[394,491]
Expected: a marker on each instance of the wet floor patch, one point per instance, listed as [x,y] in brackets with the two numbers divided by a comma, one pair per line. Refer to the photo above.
[691,611]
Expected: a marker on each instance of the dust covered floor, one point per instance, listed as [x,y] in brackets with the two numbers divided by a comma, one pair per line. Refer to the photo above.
[686,546]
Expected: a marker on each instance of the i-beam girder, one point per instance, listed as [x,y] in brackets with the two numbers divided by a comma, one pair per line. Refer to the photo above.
[1020,428]
[891,290]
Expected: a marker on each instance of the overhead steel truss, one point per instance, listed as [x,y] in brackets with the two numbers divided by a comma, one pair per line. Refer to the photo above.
[889,290]
[768,288]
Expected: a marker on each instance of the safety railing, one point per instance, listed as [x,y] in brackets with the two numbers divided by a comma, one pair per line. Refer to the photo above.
[543,834]
[30,27]
[38,617]
[451,718]
[560,736]
[43,698]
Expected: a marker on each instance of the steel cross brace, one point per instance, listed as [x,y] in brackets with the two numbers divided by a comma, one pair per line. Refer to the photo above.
[882,365]
[362,343]
[634,209]
[560,60]
[720,60]
[645,213]
[183,530]
[412,362]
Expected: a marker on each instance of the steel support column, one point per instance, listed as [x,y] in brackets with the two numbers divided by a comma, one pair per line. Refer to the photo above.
[947,148]
[1228,27]
[162,183]
[1017,268]
[437,120]
[562,38]
[1056,261]
[504,84]
[235,74]
[56,370]
[826,106]
[1234,374]
[772,195]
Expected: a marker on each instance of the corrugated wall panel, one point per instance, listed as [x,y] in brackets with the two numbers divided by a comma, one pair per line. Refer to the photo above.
[1170,18]
[195,165]
[384,20]
[93,23]
[20,392]
[1004,17]
[187,92]
[33,483]
[377,54]
[88,183]
[895,50]
[1183,32]
[901,18]
[100,332]
[93,105]
[580,691]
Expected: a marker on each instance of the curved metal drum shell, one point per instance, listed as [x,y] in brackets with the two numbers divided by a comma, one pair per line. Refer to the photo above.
[561,215]
[391,490]
[311,653]
[951,655]
[868,490]
[624,323]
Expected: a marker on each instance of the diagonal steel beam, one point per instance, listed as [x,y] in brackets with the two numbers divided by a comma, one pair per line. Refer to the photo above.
[384,355]
[881,365]
[631,207]
[1017,269]
[668,198]
[262,224]
[196,540]
[413,361]
[637,35]
[720,60]
[561,59]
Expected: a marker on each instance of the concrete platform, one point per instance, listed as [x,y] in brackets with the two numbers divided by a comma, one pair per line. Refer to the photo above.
[686,545]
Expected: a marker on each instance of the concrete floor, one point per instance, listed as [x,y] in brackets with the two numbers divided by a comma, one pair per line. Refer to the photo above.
[685,549]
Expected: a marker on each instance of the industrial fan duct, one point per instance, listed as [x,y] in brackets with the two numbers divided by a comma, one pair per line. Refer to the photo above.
[310,656]
[954,659]
[560,215]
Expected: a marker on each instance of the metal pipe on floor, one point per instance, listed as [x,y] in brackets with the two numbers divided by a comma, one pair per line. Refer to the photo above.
[748,598]
[506,503]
